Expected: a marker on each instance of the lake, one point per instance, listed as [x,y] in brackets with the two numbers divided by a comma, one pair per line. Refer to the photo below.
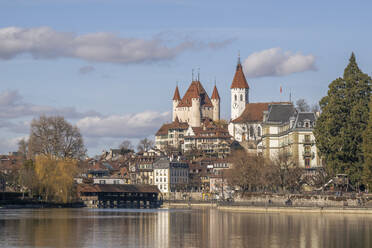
[180,228]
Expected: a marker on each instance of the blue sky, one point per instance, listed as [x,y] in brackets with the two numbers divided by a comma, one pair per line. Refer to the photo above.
[111,66]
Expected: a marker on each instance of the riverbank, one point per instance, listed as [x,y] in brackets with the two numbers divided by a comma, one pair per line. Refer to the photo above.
[272,209]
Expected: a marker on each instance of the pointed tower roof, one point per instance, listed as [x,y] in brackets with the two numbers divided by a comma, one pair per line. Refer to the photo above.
[176,94]
[195,90]
[239,80]
[215,94]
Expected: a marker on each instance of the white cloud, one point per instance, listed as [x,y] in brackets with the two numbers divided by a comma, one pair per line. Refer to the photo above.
[13,106]
[276,62]
[138,125]
[9,144]
[46,43]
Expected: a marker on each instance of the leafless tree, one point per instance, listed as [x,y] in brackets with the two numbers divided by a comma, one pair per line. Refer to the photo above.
[302,105]
[126,144]
[315,108]
[23,148]
[145,144]
[55,136]
[289,174]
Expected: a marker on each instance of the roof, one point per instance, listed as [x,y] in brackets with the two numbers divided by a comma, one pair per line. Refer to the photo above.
[253,112]
[302,117]
[195,90]
[176,95]
[280,113]
[174,125]
[239,80]
[210,130]
[125,188]
[215,94]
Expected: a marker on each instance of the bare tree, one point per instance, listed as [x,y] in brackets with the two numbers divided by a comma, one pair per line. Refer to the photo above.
[55,136]
[145,144]
[126,144]
[302,105]
[315,108]
[23,148]
[289,174]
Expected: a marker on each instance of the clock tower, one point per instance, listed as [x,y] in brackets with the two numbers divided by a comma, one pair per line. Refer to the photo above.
[239,92]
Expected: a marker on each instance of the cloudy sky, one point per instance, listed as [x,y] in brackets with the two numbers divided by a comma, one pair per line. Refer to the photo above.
[111,66]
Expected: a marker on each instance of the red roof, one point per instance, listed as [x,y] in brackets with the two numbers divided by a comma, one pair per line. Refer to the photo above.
[253,112]
[174,125]
[239,80]
[176,95]
[215,94]
[195,90]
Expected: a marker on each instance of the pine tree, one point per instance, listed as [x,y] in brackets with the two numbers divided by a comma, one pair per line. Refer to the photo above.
[367,150]
[344,117]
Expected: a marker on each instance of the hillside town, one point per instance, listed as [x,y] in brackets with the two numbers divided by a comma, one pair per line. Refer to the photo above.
[192,154]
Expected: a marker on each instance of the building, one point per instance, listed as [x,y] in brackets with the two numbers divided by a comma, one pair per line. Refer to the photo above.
[210,138]
[196,106]
[287,131]
[171,135]
[171,175]
[239,91]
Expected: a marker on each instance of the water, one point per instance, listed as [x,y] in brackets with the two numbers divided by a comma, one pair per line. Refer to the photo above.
[180,228]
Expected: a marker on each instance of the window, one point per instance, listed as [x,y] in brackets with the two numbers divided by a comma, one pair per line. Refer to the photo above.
[236,97]
[102,181]
[241,97]
[259,131]
[251,131]
[307,162]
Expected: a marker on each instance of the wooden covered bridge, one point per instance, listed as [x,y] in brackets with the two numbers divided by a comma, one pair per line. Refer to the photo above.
[119,196]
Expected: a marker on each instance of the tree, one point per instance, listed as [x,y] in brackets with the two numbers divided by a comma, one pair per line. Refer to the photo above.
[55,178]
[288,174]
[344,117]
[126,144]
[302,105]
[367,150]
[315,108]
[144,145]
[55,136]
[126,147]
[23,148]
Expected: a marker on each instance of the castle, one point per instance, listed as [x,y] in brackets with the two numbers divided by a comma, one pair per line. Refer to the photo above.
[195,107]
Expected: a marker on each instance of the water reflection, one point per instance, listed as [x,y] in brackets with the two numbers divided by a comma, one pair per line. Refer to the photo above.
[180,228]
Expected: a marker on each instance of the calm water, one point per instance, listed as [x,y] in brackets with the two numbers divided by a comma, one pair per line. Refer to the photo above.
[180,228]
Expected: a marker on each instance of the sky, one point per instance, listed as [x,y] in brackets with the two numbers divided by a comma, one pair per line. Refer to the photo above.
[111,66]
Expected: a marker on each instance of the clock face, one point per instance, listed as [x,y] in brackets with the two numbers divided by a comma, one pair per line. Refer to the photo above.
[235,105]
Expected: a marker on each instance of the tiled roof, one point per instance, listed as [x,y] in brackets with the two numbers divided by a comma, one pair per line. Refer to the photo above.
[176,95]
[209,130]
[215,94]
[195,90]
[174,125]
[253,112]
[239,80]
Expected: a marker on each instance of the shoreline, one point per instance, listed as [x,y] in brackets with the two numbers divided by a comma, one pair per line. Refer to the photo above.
[272,209]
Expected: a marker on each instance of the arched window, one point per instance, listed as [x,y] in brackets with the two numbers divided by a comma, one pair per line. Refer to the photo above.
[236,98]
[241,97]
[251,132]
[259,131]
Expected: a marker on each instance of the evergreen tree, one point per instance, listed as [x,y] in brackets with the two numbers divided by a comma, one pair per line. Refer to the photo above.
[367,150]
[344,117]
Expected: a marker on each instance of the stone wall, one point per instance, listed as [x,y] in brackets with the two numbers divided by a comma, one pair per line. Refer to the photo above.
[296,200]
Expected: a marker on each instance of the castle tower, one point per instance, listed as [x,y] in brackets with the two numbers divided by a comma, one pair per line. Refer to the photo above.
[176,100]
[195,112]
[239,92]
[216,104]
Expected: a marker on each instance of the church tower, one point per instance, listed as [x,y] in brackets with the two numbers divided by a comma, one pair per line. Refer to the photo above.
[239,92]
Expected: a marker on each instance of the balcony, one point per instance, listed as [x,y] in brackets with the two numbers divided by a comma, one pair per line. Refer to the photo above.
[308,142]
